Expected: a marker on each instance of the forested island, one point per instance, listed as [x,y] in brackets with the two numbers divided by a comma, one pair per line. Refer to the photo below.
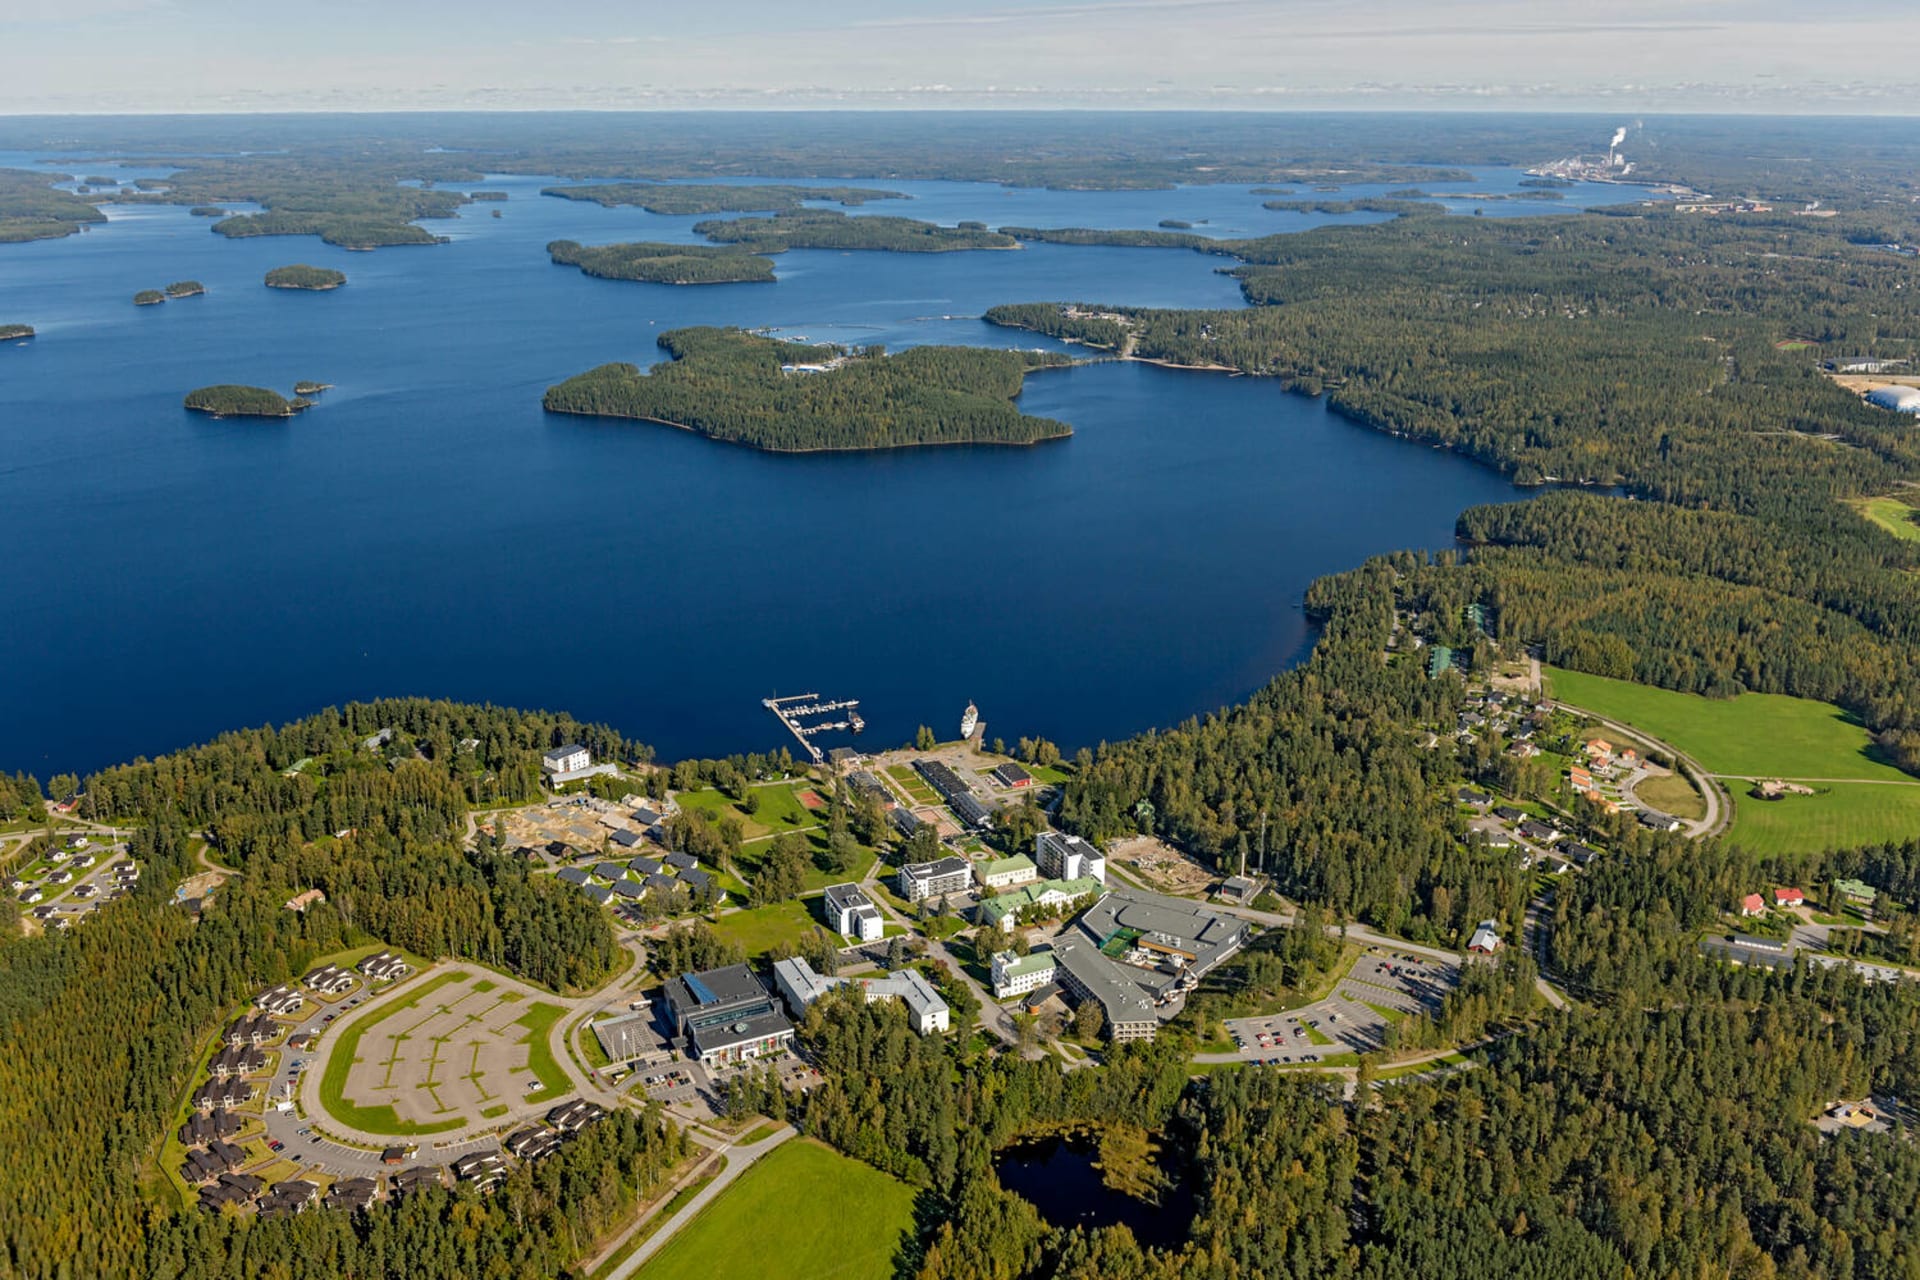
[347,232]
[8,332]
[655,263]
[232,401]
[301,276]
[185,289]
[698,198]
[831,229]
[148,298]
[306,387]
[207,211]
[492,197]
[788,397]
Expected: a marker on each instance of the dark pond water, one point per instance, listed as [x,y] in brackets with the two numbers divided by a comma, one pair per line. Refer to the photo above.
[429,530]
[1057,1176]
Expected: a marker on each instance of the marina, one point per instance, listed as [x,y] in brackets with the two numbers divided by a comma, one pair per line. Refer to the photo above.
[791,716]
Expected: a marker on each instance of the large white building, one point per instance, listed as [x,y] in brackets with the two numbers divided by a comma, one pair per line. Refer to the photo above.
[851,913]
[925,1009]
[1898,399]
[1064,857]
[919,880]
[1016,975]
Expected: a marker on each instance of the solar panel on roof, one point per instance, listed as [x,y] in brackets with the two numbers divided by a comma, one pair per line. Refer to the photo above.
[699,989]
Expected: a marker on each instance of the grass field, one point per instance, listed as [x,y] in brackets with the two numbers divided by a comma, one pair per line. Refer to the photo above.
[1755,735]
[1672,794]
[1842,816]
[538,1020]
[1891,514]
[780,809]
[804,1212]
[1758,735]
[759,928]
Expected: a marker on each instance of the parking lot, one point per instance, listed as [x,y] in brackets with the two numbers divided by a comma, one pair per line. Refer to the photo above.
[1380,989]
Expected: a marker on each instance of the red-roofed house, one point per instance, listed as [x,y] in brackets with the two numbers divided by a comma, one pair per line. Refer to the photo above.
[1789,898]
[1753,905]
[1581,779]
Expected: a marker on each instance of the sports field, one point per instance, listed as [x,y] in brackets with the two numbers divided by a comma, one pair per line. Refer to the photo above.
[804,1212]
[1858,798]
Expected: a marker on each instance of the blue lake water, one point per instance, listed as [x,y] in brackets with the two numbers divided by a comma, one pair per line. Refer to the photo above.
[428,529]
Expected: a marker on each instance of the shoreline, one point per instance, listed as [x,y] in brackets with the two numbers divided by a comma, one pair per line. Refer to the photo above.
[760,448]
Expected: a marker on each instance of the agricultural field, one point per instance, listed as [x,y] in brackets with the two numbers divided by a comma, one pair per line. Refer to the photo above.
[774,1222]
[1858,798]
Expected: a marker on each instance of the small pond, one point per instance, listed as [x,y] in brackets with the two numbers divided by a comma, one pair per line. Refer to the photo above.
[1058,1174]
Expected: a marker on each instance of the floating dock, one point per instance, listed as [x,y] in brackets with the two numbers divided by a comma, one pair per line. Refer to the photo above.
[792,709]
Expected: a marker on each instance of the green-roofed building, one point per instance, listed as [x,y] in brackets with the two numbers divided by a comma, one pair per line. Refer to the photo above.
[1439,658]
[1005,873]
[1856,893]
[1477,618]
[1042,893]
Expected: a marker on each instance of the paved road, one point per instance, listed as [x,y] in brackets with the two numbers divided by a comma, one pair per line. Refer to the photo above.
[739,1159]
[991,1018]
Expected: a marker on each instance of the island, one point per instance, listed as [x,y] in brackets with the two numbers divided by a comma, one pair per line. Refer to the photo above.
[301,276]
[680,198]
[831,229]
[1176,224]
[345,231]
[207,211]
[101,182]
[487,195]
[230,401]
[9,332]
[308,388]
[148,298]
[786,397]
[185,289]
[655,263]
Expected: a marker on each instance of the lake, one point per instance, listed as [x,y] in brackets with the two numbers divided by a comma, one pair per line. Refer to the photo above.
[428,529]
[1059,1177]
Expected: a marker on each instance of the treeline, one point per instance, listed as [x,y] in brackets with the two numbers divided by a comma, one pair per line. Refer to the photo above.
[831,229]
[655,263]
[730,385]
[698,198]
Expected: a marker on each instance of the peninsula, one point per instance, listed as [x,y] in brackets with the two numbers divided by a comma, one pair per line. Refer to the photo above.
[786,397]
[677,198]
[230,401]
[655,263]
[300,276]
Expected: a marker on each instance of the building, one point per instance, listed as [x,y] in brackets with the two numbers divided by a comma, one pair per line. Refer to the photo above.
[1063,857]
[628,839]
[575,1115]
[1856,893]
[1012,775]
[1658,821]
[1439,659]
[682,861]
[575,876]
[329,980]
[532,1143]
[1753,905]
[289,1198]
[726,1015]
[645,866]
[919,881]
[1478,799]
[407,1181]
[301,901]
[954,790]
[926,1011]
[1139,954]
[610,870]
[385,967]
[1898,399]
[1004,873]
[1789,898]
[282,1000]
[352,1193]
[906,820]
[1015,975]
[1047,894]
[572,759]
[630,1038]
[851,913]
[867,785]
[482,1168]
[1486,938]
[1240,889]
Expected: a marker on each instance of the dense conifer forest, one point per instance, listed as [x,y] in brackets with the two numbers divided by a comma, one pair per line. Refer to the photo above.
[231,401]
[664,263]
[831,229]
[301,276]
[790,397]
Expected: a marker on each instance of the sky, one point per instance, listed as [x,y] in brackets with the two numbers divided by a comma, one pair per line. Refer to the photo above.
[1656,55]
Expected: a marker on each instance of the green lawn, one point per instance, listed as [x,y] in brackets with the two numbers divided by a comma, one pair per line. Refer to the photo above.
[804,1212]
[340,1059]
[1891,514]
[1842,816]
[780,809]
[758,929]
[538,1020]
[1753,735]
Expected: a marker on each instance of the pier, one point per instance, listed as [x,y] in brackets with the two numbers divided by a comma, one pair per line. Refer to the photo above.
[809,704]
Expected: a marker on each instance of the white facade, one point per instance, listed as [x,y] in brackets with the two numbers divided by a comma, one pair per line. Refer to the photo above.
[925,1009]
[1015,975]
[567,759]
[851,913]
[1064,857]
[1008,872]
[920,880]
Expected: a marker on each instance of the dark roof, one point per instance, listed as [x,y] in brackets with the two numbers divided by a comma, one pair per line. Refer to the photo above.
[572,875]
[630,889]
[682,861]
[628,839]
[1011,773]
[645,866]
[610,870]
[665,884]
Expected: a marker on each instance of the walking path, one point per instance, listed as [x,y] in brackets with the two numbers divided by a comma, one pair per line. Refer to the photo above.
[739,1159]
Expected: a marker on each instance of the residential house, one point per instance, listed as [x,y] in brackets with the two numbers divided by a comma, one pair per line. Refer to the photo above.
[352,1193]
[289,1198]
[408,1181]
[575,876]
[532,1143]
[682,861]
[281,1000]
[1486,938]
[698,881]
[851,913]
[329,980]
[610,870]
[1856,893]
[906,820]
[482,1168]
[574,1115]
[598,894]
[1478,799]
[1789,898]
[628,839]
[1753,905]
[645,866]
[385,967]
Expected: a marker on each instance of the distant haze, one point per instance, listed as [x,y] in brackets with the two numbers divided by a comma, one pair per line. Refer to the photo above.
[223,55]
